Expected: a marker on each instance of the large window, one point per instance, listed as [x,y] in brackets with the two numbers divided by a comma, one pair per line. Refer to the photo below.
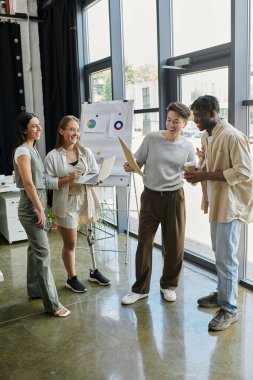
[251,52]
[200,24]
[141,78]
[98,74]
[249,266]
[213,82]
[98,31]
[101,86]
[140,50]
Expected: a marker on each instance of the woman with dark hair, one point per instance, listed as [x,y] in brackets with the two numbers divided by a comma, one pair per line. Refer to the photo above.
[29,176]
[163,155]
[65,164]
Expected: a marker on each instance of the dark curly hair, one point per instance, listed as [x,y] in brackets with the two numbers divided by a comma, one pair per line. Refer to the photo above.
[206,103]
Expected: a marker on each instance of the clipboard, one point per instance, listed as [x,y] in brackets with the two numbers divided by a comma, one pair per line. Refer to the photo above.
[130,158]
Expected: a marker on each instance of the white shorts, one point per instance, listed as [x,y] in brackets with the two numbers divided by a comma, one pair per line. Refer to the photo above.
[74,207]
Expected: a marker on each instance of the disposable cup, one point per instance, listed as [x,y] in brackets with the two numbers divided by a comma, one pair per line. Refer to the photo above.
[190,166]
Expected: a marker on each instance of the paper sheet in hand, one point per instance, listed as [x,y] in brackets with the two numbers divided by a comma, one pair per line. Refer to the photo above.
[104,172]
[130,158]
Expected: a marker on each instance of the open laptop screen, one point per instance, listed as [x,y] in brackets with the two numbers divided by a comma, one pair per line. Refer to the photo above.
[104,172]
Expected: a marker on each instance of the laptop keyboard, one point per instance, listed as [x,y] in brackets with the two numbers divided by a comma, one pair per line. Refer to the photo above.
[92,180]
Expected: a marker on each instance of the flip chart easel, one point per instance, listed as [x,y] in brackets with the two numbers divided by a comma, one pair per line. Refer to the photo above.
[101,125]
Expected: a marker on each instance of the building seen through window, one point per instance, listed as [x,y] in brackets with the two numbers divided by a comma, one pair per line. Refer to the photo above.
[101,85]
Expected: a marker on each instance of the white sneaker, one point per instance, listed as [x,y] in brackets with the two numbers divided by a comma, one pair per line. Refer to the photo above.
[132,298]
[169,295]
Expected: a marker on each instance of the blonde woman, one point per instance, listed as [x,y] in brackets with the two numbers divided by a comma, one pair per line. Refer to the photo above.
[65,164]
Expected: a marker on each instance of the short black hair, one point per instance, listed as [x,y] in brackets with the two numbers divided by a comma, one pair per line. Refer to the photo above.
[206,103]
[179,108]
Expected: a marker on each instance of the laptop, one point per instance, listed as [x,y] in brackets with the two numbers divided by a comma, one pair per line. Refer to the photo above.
[104,172]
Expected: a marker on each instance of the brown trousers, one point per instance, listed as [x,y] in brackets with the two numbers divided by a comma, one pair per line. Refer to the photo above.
[169,210]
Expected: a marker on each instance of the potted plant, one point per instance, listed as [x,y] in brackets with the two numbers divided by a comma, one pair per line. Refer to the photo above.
[51,218]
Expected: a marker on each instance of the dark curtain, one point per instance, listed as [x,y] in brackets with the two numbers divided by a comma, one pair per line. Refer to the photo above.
[59,64]
[11,91]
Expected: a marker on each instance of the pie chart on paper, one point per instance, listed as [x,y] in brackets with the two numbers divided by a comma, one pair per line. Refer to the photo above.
[91,123]
[118,125]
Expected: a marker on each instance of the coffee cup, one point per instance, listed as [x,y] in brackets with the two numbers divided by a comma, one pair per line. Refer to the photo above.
[190,166]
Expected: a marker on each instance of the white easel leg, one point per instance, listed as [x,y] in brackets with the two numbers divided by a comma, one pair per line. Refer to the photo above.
[132,178]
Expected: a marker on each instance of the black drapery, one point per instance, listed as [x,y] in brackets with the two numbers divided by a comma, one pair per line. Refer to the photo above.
[11,91]
[59,64]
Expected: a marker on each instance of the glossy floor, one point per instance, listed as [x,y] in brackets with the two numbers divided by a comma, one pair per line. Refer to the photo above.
[103,340]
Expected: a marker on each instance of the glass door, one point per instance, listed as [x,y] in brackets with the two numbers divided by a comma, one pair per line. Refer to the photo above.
[249,262]
[191,85]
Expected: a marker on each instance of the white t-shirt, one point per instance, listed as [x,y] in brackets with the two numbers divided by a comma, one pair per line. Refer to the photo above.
[20,151]
[164,161]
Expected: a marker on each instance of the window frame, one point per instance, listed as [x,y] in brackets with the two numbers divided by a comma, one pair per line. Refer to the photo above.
[225,55]
[92,68]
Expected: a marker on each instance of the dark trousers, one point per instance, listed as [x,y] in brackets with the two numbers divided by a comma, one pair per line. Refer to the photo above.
[169,210]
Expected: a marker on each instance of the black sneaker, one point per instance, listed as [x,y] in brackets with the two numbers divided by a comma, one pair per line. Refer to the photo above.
[209,301]
[34,297]
[75,285]
[96,276]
